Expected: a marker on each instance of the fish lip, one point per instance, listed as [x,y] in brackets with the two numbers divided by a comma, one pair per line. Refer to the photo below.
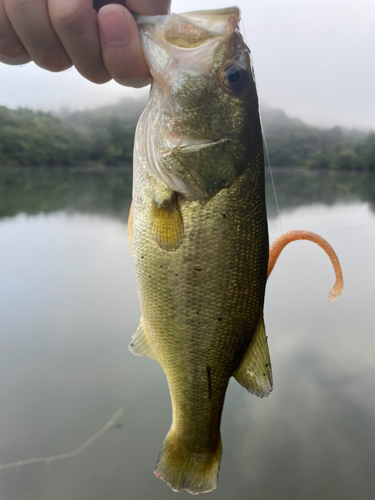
[192,16]
[154,20]
[192,145]
[190,49]
[186,144]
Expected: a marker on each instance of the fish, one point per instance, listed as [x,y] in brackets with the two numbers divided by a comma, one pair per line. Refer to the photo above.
[198,232]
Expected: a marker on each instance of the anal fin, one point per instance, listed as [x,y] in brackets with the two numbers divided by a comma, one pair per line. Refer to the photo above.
[255,372]
[140,344]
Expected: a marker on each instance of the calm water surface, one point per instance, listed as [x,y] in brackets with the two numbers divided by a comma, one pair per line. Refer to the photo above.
[68,308]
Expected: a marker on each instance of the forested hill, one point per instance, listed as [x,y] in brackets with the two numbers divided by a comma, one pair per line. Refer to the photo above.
[292,143]
[29,138]
[104,136]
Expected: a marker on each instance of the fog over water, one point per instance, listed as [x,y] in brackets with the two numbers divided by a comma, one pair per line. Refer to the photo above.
[311,59]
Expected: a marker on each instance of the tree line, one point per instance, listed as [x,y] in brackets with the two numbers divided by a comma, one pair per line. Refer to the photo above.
[105,136]
[292,143]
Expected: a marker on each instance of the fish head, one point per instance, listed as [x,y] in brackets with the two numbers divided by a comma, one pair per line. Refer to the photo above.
[203,119]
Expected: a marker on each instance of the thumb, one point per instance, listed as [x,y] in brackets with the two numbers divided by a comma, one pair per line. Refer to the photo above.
[121,47]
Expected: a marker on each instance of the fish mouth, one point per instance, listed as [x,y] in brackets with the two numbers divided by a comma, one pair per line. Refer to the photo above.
[195,28]
[194,25]
[187,41]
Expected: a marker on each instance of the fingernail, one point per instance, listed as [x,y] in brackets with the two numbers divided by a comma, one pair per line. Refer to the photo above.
[113,25]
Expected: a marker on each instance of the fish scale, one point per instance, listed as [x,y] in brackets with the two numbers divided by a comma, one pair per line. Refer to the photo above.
[200,242]
[181,312]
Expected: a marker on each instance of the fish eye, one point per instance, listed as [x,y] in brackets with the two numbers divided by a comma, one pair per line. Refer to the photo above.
[234,76]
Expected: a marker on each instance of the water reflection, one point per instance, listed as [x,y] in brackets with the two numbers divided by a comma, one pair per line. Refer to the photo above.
[299,187]
[108,191]
[68,308]
[97,191]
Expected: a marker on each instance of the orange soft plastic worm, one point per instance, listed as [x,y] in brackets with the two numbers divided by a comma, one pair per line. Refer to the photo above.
[280,243]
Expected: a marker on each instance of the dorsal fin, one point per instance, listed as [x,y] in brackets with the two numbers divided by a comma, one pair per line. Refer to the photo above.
[255,372]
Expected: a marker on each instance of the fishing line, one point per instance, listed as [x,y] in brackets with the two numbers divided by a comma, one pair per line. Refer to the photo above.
[351,228]
[271,173]
[243,31]
[268,163]
[70,454]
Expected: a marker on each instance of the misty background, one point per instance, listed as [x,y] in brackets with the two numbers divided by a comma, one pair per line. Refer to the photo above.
[313,59]
[68,298]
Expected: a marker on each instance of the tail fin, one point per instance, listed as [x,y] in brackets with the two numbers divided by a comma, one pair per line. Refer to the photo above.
[183,469]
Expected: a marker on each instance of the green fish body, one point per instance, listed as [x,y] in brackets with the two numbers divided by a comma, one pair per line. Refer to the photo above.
[198,232]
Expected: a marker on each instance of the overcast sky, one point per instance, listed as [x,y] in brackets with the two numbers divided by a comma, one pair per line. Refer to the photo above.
[313,58]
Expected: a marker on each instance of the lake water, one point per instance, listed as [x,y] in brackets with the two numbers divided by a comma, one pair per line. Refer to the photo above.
[68,308]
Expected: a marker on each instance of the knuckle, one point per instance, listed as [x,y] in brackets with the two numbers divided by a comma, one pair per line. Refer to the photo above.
[68,16]
[135,83]
[54,62]
[11,49]
[14,61]
[99,79]
[17,6]
[133,75]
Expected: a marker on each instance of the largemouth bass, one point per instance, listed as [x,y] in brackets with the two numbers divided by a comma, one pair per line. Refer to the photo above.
[198,232]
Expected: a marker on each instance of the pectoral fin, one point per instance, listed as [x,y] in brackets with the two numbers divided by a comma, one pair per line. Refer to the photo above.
[167,226]
[140,344]
[254,371]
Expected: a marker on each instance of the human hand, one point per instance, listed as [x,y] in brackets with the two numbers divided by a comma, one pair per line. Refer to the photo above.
[99,37]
